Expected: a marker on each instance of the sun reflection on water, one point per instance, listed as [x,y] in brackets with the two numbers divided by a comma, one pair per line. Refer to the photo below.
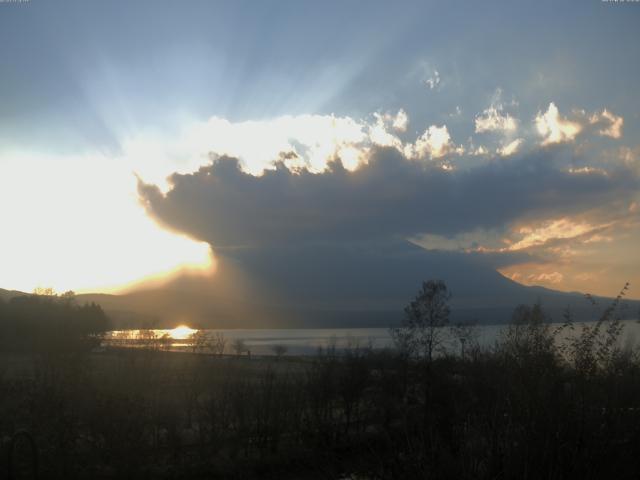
[181,332]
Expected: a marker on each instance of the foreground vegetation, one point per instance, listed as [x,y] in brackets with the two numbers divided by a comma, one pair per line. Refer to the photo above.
[530,407]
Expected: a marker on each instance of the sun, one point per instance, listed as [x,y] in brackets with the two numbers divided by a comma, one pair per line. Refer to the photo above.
[103,242]
[181,332]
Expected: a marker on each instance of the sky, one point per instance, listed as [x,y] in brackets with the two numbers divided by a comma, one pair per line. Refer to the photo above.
[144,139]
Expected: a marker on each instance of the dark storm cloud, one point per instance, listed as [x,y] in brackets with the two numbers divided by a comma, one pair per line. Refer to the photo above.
[390,197]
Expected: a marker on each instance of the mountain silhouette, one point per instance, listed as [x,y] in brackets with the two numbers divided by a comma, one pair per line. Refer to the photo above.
[325,285]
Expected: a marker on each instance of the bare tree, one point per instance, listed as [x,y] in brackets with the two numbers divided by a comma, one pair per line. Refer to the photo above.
[529,334]
[147,339]
[44,292]
[421,332]
[219,344]
[279,350]
[466,334]
[166,341]
[595,347]
[239,346]
[199,342]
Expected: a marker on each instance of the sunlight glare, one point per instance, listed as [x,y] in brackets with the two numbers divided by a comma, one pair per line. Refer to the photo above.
[181,332]
[74,223]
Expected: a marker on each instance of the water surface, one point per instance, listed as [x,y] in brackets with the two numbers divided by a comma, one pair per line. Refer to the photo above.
[309,341]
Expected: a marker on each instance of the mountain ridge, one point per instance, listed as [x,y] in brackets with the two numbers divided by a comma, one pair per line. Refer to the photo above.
[290,291]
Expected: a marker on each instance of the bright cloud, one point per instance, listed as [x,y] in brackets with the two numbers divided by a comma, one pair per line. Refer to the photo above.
[434,143]
[556,129]
[587,170]
[308,140]
[552,278]
[380,131]
[562,228]
[433,81]
[494,119]
[546,277]
[400,121]
[519,238]
[610,124]
[510,148]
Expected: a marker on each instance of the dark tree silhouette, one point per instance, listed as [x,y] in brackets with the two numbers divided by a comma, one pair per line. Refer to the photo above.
[421,332]
[279,350]
[239,346]
[50,323]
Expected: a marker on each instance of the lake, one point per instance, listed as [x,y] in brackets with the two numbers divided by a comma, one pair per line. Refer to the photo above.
[308,341]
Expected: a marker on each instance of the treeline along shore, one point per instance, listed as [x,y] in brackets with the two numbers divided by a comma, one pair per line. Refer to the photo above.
[527,407]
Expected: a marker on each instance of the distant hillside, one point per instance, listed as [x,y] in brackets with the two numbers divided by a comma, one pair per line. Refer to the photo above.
[9,294]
